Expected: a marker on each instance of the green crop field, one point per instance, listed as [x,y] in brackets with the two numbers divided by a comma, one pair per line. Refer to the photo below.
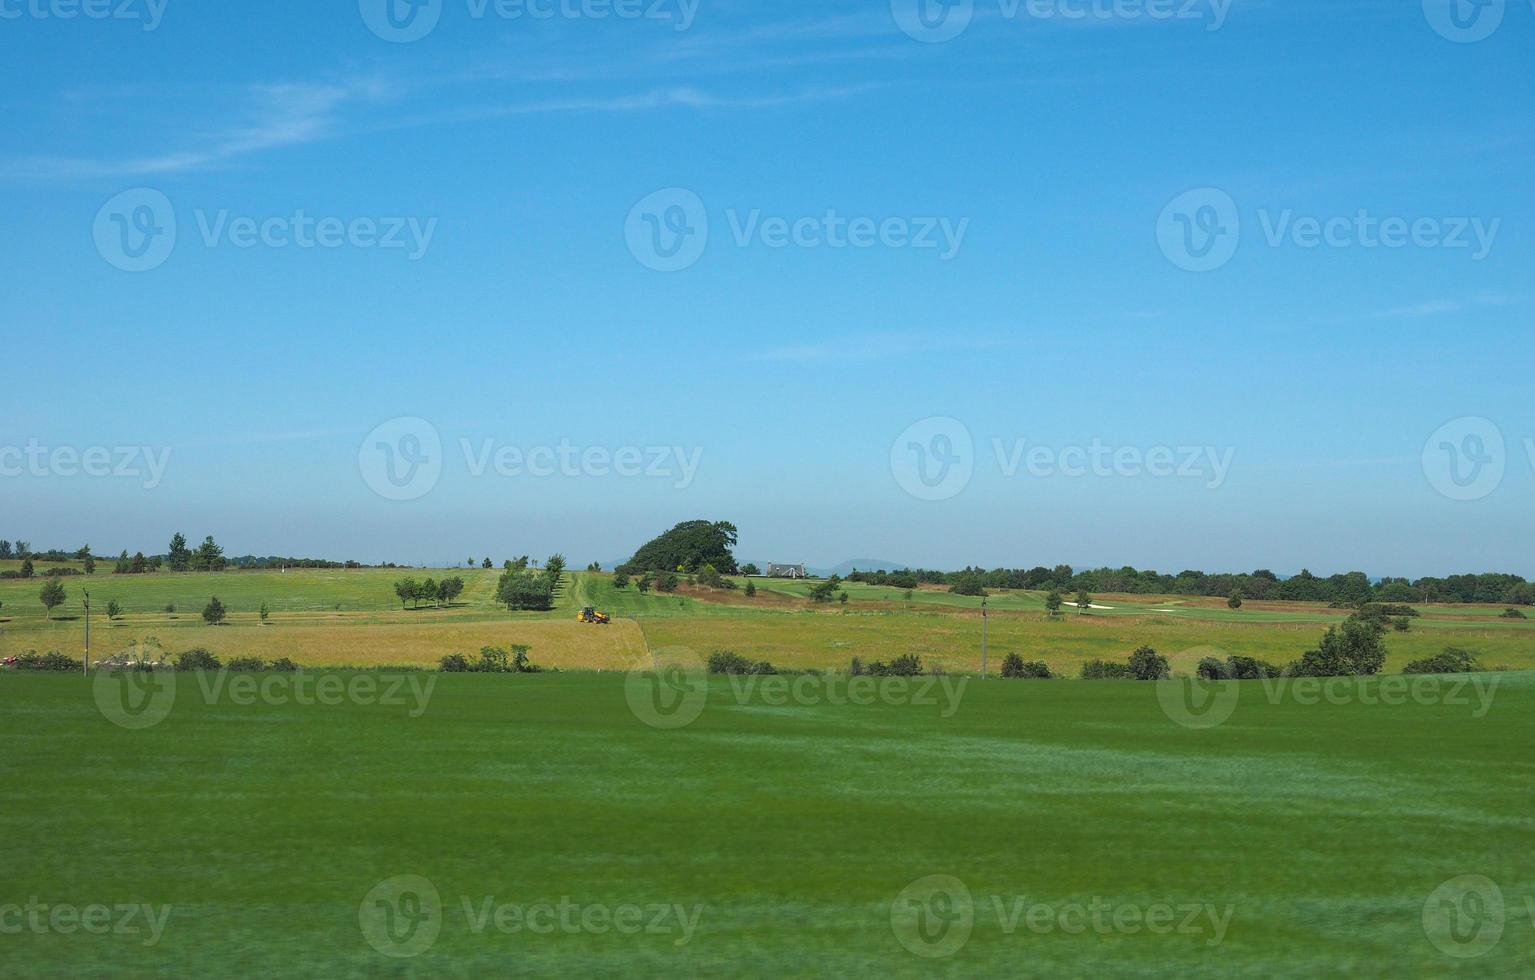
[1008,828]
[351,618]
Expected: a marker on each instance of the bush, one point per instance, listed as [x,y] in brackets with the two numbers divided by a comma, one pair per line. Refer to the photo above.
[492,660]
[1014,666]
[1512,614]
[197,658]
[283,665]
[1351,650]
[1378,610]
[1211,669]
[855,669]
[907,665]
[1148,665]
[730,662]
[53,660]
[246,665]
[1452,661]
[1105,670]
[1250,669]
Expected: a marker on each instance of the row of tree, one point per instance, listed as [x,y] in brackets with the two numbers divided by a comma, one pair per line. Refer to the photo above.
[1349,589]
[429,591]
[521,588]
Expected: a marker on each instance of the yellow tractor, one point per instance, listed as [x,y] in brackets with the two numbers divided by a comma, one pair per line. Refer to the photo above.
[591,615]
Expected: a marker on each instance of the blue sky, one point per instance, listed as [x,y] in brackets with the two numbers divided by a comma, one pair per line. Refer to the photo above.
[489,192]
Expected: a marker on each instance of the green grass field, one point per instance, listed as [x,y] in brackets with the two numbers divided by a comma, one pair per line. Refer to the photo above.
[351,618]
[1308,837]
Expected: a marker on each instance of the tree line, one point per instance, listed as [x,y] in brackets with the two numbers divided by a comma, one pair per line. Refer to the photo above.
[429,591]
[1350,589]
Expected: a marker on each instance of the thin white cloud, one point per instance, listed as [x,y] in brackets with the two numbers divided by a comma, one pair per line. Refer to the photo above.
[868,347]
[274,116]
[1441,306]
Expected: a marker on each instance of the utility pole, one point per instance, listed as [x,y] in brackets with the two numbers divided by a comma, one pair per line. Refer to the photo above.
[87,668]
[983,639]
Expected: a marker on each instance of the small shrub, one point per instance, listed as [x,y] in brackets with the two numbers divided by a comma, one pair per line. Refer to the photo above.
[53,660]
[493,660]
[283,665]
[1250,669]
[855,669]
[906,665]
[730,662]
[246,665]
[1212,669]
[1015,666]
[1512,614]
[727,662]
[454,663]
[1105,670]
[197,658]
[1452,661]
